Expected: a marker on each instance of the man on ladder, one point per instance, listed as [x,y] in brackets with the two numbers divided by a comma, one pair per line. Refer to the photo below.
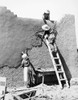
[46,16]
[51,26]
[50,36]
[46,20]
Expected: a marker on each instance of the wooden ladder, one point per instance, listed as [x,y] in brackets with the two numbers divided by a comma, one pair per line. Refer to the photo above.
[58,67]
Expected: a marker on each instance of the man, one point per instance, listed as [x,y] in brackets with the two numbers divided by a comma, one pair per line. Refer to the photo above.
[46,19]
[46,16]
[46,30]
[50,35]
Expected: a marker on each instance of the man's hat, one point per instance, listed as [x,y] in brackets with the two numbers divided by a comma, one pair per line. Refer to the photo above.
[47,12]
[45,27]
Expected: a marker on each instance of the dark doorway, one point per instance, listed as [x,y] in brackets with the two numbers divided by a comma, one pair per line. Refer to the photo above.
[50,78]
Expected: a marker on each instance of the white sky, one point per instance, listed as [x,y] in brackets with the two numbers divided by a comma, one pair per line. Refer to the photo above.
[35,8]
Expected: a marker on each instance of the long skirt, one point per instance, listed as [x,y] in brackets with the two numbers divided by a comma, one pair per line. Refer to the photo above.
[25,74]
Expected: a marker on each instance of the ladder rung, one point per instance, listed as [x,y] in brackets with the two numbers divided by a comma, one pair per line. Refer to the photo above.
[56,58]
[54,54]
[58,64]
[60,71]
[63,79]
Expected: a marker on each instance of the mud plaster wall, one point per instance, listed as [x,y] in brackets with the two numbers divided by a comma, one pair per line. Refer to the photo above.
[66,41]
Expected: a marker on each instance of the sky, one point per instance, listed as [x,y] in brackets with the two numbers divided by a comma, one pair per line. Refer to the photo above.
[35,9]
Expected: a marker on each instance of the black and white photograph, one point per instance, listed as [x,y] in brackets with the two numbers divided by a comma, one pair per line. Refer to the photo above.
[38,49]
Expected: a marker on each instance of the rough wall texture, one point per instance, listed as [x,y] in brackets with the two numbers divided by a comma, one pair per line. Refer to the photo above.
[66,41]
[17,34]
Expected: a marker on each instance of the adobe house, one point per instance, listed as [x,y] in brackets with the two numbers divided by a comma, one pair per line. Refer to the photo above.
[17,34]
[67,48]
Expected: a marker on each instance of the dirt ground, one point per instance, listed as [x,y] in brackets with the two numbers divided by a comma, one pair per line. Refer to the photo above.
[55,93]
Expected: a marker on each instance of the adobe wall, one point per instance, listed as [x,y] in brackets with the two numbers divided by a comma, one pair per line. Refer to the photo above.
[66,41]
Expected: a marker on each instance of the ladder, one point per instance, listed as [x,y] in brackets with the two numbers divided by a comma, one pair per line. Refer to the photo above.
[58,67]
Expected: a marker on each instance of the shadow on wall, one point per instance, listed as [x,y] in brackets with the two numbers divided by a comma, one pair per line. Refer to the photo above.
[66,69]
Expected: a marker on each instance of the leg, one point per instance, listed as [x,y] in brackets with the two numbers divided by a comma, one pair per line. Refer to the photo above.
[55,47]
[52,47]
[46,36]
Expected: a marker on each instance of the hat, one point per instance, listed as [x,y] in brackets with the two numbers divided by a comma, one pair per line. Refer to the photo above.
[45,27]
[47,12]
